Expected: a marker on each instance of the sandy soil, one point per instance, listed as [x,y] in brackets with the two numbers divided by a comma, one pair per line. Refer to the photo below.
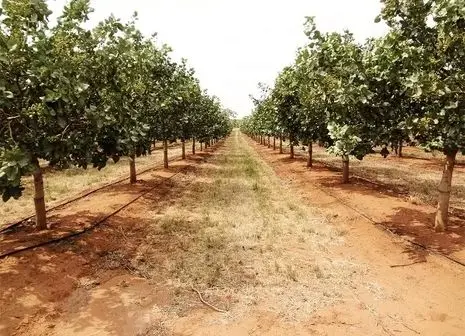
[285,250]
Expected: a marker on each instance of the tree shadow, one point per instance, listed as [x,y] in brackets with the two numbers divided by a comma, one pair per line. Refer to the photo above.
[417,226]
[40,282]
[33,280]
[382,204]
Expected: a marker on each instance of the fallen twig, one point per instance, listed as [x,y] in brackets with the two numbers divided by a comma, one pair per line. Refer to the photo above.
[410,264]
[406,326]
[206,303]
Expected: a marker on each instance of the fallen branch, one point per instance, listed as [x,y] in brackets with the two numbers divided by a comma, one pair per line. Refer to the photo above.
[410,264]
[206,303]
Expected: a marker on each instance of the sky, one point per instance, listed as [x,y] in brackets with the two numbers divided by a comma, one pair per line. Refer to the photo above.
[235,44]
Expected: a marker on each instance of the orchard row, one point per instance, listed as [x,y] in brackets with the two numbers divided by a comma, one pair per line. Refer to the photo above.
[72,95]
[408,85]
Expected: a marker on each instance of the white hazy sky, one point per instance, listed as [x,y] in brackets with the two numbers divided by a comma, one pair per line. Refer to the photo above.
[234,44]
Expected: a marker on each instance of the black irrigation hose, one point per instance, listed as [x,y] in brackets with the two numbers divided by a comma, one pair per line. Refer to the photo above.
[99,222]
[85,194]
[93,226]
[384,227]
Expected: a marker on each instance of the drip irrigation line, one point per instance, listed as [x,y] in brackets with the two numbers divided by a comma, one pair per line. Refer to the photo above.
[85,194]
[102,220]
[384,227]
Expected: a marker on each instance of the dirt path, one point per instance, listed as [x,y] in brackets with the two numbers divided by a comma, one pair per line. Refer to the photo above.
[281,258]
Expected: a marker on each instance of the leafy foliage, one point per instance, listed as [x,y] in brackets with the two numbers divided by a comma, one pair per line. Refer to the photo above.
[71,95]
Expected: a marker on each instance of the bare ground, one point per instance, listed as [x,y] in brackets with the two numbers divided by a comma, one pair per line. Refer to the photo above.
[281,256]
[62,184]
[416,174]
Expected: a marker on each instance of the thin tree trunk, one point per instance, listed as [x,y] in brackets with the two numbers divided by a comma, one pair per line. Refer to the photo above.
[201,144]
[310,155]
[183,145]
[165,153]
[400,148]
[193,146]
[39,199]
[345,169]
[269,142]
[291,147]
[280,144]
[442,214]
[274,143]
[132,169]
[395,148]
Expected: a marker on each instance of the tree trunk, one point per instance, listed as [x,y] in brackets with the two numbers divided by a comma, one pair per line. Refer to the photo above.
[132,169]
[442,214]
[193,146]
[165,153]
[269,142]
[291,147]
[201,144]
[183,145]
[39,199]
[400,148]
[274,143]
[345,169]
[280,144]
[310,155]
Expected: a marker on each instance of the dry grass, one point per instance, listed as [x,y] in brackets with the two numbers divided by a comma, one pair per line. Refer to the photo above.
[241,237]
[62,184]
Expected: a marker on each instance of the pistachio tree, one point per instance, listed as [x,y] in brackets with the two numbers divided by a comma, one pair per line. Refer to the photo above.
[432,34]
[313,117]
[286,101]
[344,94]
[45,105]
